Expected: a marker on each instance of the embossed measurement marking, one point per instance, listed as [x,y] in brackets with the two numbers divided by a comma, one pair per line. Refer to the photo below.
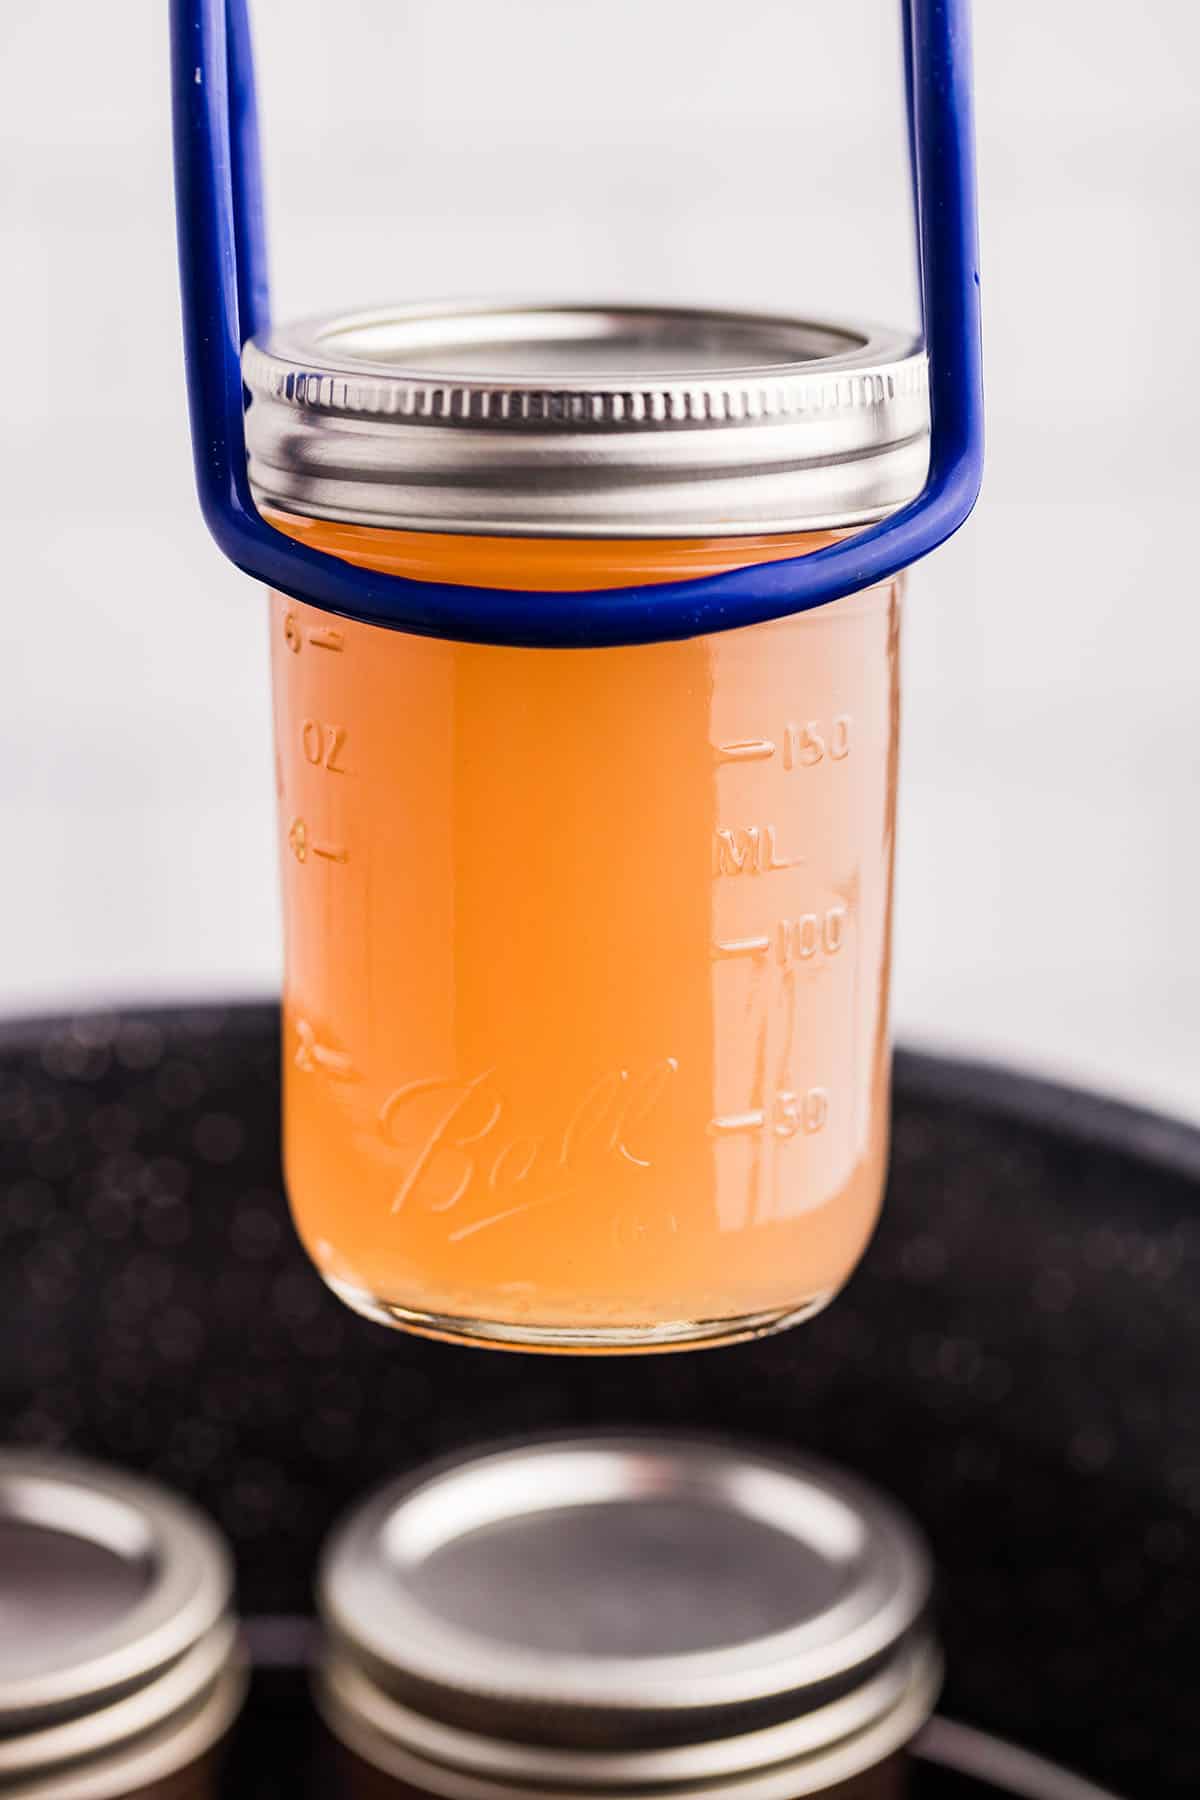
[323,745]
[728,1124]
[746,750]
[795,941]
[749,850]
[323,638]
[790,1113]
[749,946]
[808,1112]
[806,745]
[799,940]
[300,845]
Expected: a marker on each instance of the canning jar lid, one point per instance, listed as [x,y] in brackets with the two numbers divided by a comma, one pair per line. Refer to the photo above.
[570,420]
[118,1651]
[614,1614]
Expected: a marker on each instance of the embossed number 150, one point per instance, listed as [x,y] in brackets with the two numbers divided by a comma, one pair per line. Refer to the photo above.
[804,745]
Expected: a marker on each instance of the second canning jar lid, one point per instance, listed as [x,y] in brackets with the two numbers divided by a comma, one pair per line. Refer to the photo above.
[590,421]
[617,1613]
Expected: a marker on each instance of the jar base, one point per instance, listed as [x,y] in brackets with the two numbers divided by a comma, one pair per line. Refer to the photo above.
[586,1340]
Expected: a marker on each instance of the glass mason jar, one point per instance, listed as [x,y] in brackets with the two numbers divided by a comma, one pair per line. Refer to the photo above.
[585,1002]
[618,1616]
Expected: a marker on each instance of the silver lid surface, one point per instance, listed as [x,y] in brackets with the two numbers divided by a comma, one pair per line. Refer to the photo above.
[619,1612]
[116,1638]
[565,420]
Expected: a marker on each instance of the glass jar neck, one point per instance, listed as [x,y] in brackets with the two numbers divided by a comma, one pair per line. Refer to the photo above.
[548,564]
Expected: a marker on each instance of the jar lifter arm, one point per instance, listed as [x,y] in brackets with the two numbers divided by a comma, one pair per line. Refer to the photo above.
[222,259]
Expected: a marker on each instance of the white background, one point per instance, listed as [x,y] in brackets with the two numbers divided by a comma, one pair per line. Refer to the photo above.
[1049,898]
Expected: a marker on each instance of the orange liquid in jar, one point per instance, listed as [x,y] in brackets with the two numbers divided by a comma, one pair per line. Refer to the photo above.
[587,955]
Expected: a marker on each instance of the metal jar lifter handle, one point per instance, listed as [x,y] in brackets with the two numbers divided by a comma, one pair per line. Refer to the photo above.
[226,300]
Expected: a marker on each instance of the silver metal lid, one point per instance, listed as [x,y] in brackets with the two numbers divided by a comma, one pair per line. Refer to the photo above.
[585,421]
[615,1613]
[117,1648]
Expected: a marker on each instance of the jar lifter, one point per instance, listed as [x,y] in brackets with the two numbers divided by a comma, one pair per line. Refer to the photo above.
[226,300]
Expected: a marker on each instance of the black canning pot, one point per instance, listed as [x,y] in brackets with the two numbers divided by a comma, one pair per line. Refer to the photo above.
[1014,1362]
